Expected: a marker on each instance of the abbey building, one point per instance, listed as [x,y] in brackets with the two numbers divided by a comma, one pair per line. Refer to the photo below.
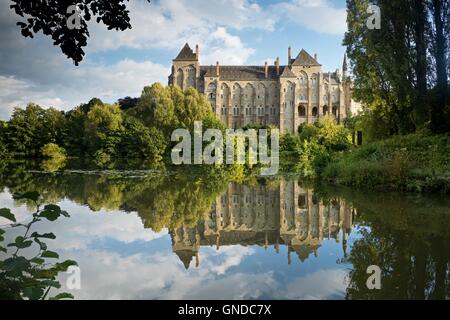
[281,95]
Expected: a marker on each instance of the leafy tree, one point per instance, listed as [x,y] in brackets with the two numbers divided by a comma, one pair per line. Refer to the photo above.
[51,17]
[139,141]
[168,108]
[103,130]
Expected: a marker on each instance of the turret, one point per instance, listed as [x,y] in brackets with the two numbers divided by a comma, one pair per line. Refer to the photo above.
[289,55]
[217,69]
[277,65]
[266,70]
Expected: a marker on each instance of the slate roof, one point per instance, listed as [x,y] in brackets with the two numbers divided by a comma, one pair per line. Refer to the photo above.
[236,73]
[305,59]
[186,54]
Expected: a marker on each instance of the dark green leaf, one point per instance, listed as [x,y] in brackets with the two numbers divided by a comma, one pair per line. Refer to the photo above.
[37,260]
[49,254]
[6,213]
[15,264]
[64,265]
[65,214]
[41,244]
[51,283]
[33,293]
[21,243]
[63,295]
[3,249]
[49,215]
[43,235]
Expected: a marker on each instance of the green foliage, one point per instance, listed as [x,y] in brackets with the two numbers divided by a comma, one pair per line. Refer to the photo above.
[414,162]
[139,141]
[168,108]
[25,277]
[53,151]
[317,144]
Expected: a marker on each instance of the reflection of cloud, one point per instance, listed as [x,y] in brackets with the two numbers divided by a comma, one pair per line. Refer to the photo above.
[321,284]
[230,256]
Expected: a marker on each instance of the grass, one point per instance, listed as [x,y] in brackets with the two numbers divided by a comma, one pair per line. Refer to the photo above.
[416,162]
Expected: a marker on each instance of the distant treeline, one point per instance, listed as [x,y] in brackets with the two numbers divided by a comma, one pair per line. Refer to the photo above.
[140,129]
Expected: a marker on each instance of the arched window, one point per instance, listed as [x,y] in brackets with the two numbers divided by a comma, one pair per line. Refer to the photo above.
[180,78]
[335,111]
[301,200]
[314,112]
[302,111]
[325,110]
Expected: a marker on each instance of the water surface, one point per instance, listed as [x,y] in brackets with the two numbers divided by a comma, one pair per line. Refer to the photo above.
[173,235]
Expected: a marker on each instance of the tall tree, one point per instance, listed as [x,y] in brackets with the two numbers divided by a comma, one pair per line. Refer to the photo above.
[440,10]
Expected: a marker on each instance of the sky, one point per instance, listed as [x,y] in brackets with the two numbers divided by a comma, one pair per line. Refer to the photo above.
[119,64]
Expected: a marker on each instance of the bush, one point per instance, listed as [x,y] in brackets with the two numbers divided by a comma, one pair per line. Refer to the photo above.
[413,162]
[53,151]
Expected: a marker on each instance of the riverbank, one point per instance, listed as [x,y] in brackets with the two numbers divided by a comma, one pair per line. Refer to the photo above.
[415,163]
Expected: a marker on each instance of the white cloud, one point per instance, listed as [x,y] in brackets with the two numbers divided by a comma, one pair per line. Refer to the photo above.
[316,15]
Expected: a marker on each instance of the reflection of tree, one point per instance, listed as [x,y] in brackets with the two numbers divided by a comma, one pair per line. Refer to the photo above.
[161,200]
[408,239]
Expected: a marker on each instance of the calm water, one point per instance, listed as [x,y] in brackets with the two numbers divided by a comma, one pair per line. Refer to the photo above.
[173,235]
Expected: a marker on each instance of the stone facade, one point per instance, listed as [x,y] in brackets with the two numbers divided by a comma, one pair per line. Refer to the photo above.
[284,96]
[286,215]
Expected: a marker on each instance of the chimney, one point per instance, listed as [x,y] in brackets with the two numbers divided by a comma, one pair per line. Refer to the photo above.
[266,70]
[217,69]
[289,55]
[277,65]
[196,51]
[315,56]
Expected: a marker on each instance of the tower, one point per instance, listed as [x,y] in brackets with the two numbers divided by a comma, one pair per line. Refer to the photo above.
[185,68]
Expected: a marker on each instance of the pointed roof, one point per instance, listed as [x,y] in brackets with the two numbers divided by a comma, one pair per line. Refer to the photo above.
[186,53]
[287,73]
[185,257]
[305,59]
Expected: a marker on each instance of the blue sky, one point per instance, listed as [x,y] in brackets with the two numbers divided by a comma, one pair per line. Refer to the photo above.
[118,64]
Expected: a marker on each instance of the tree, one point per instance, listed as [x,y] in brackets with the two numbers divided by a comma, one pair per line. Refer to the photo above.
[141,142]
[440,10]
[168,108]
[103,130]
[69,28]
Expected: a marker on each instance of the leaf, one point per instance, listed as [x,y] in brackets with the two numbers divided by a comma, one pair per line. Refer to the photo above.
[41,244]
[51,283]
[49,254]
[37,260]
[3,249]
[21,243]
[63,295]
[51,212]
[6,213]
[33,195]
[33,293]
[63,266]
[44,235]
[15,264]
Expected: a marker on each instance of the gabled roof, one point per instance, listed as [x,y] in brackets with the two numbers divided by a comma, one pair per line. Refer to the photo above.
[186,53]
[287,73]
[305,59]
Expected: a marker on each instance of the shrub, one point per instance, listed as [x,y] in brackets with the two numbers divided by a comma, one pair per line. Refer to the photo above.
[53,151]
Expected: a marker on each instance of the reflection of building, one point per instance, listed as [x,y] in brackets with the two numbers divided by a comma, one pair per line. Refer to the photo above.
[265,216]
[282,95]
